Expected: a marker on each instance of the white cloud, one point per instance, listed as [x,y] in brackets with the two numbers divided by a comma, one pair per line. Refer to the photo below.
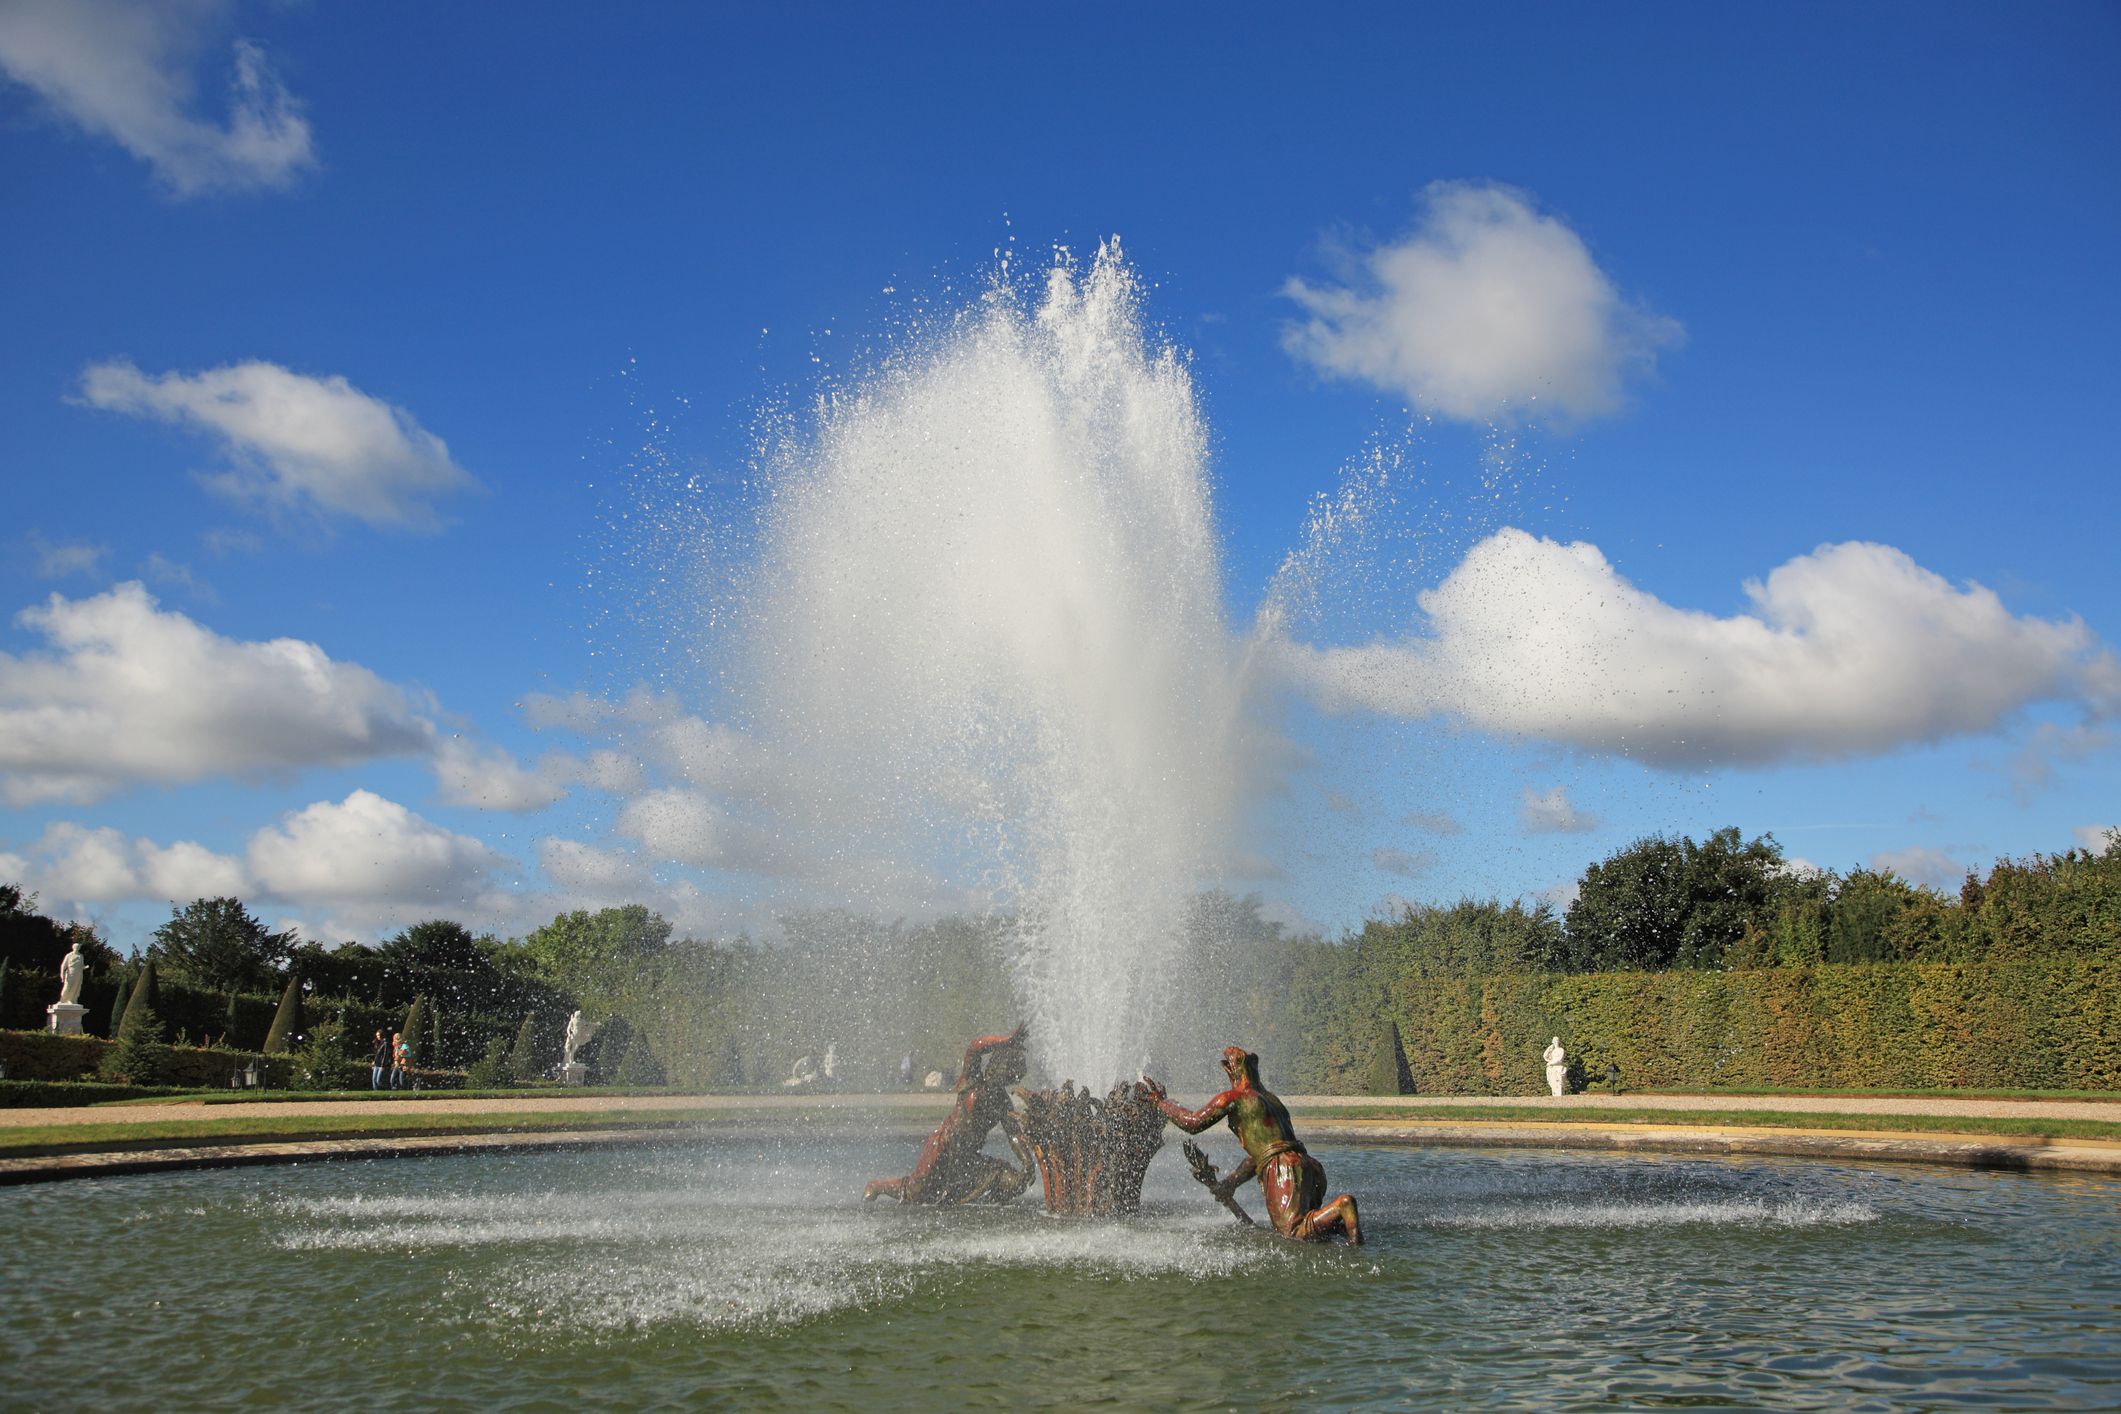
[1919,864]
[2032,767]
[1434,822]
[59,561]
[1408,864]
[369,850]
[127,692]
[121,69]
[297,443]
[78,865]
[686,827]
[592,869]
[1550,813]
[488,778]
[1488,308]
[1853,649]
[2095,838]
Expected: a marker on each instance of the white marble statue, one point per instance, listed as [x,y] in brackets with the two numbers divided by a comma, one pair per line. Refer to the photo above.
[71,971]
[578,1034]
[830,1070]
[803,1072]
[1557,1061]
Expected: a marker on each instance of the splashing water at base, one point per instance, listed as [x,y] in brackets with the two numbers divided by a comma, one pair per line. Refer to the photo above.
[987,646]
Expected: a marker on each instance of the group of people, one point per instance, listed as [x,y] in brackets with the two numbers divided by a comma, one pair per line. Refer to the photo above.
[392,1061]
[952,1168]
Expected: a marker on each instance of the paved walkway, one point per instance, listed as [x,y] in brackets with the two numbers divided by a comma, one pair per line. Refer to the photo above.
[548,1102]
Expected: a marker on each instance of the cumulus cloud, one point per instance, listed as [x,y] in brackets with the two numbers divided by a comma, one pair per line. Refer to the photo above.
[122,69]
[126,692]
[367,849]
[1408,864]
[2095,838]
[686,826]
[1434,822]
[297,443]
[489,778]
[364,850]
[1919,864]
[1488,308]
[1550,813]
[1853,649]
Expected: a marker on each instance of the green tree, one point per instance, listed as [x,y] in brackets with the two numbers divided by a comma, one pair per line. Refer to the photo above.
[437,943]
[287,1022]
[598,957]
[215,943]
[490,1071]
[139,1056]
[1672,903]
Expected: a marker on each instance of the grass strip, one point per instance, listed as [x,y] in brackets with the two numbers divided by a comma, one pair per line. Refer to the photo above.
[2018,1127]
[32,1141]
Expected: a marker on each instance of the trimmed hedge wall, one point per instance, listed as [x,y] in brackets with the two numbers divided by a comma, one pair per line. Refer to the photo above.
[39,1055]
[59,1094]
[2037,1023]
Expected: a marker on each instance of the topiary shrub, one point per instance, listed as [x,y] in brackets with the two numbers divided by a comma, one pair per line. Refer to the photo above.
[146,993]
[138,1056]
[526,1059]
[1389,1074]
[415,1031]
[639,1065]
[323,1061]
[490,1071]
[287,1021]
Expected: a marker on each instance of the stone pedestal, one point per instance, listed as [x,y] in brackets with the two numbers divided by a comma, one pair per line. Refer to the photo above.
[574,1073]
[65,1018]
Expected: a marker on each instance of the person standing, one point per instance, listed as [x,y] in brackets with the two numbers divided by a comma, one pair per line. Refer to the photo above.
[400,1059]
[379,1062]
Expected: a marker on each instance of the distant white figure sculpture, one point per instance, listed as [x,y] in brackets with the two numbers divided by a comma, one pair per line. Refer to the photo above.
[803,1072]
[71,970]
[1557,1067]
[578,1034]
[933,1080]
[830,1070]
[65,1014]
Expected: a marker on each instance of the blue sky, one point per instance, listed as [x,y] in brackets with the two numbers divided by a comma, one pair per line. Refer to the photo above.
[461,283]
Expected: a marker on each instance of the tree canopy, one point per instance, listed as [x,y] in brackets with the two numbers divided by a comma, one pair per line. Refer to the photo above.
[217,944]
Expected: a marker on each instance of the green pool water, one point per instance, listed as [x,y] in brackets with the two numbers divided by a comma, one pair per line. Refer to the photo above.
[745,1274]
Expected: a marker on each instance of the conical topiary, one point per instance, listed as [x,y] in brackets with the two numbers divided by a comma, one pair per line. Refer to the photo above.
[287,1021]
[228,1027]
[434,1028]
[145,993]
[138,1056]
[415,1030]
[1389,1074]
[524,1062]
[639,1065]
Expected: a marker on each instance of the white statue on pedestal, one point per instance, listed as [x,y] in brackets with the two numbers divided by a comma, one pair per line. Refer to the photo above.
[578,1034]
[66,1013]
[1557,1061]
[70,973]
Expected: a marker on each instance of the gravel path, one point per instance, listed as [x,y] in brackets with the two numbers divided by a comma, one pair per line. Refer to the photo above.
[648,1105]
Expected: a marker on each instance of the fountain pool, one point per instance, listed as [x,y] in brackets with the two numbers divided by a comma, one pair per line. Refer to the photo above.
[749,1274]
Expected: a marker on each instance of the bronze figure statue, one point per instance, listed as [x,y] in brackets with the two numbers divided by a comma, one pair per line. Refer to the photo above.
[1293,1183]
[952,1169]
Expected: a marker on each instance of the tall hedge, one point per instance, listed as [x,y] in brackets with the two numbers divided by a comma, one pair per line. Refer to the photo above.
[2051,1022]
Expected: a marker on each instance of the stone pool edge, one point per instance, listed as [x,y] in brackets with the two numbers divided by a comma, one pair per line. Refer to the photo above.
[2021,1154]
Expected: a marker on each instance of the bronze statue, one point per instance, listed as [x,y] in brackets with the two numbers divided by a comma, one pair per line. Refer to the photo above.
[952,1169]
[1293,1182]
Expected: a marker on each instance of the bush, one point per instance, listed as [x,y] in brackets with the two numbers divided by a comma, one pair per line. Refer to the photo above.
[138,1056]
[323,1063]
[526,1059]
[639,1067]
[490,1071]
